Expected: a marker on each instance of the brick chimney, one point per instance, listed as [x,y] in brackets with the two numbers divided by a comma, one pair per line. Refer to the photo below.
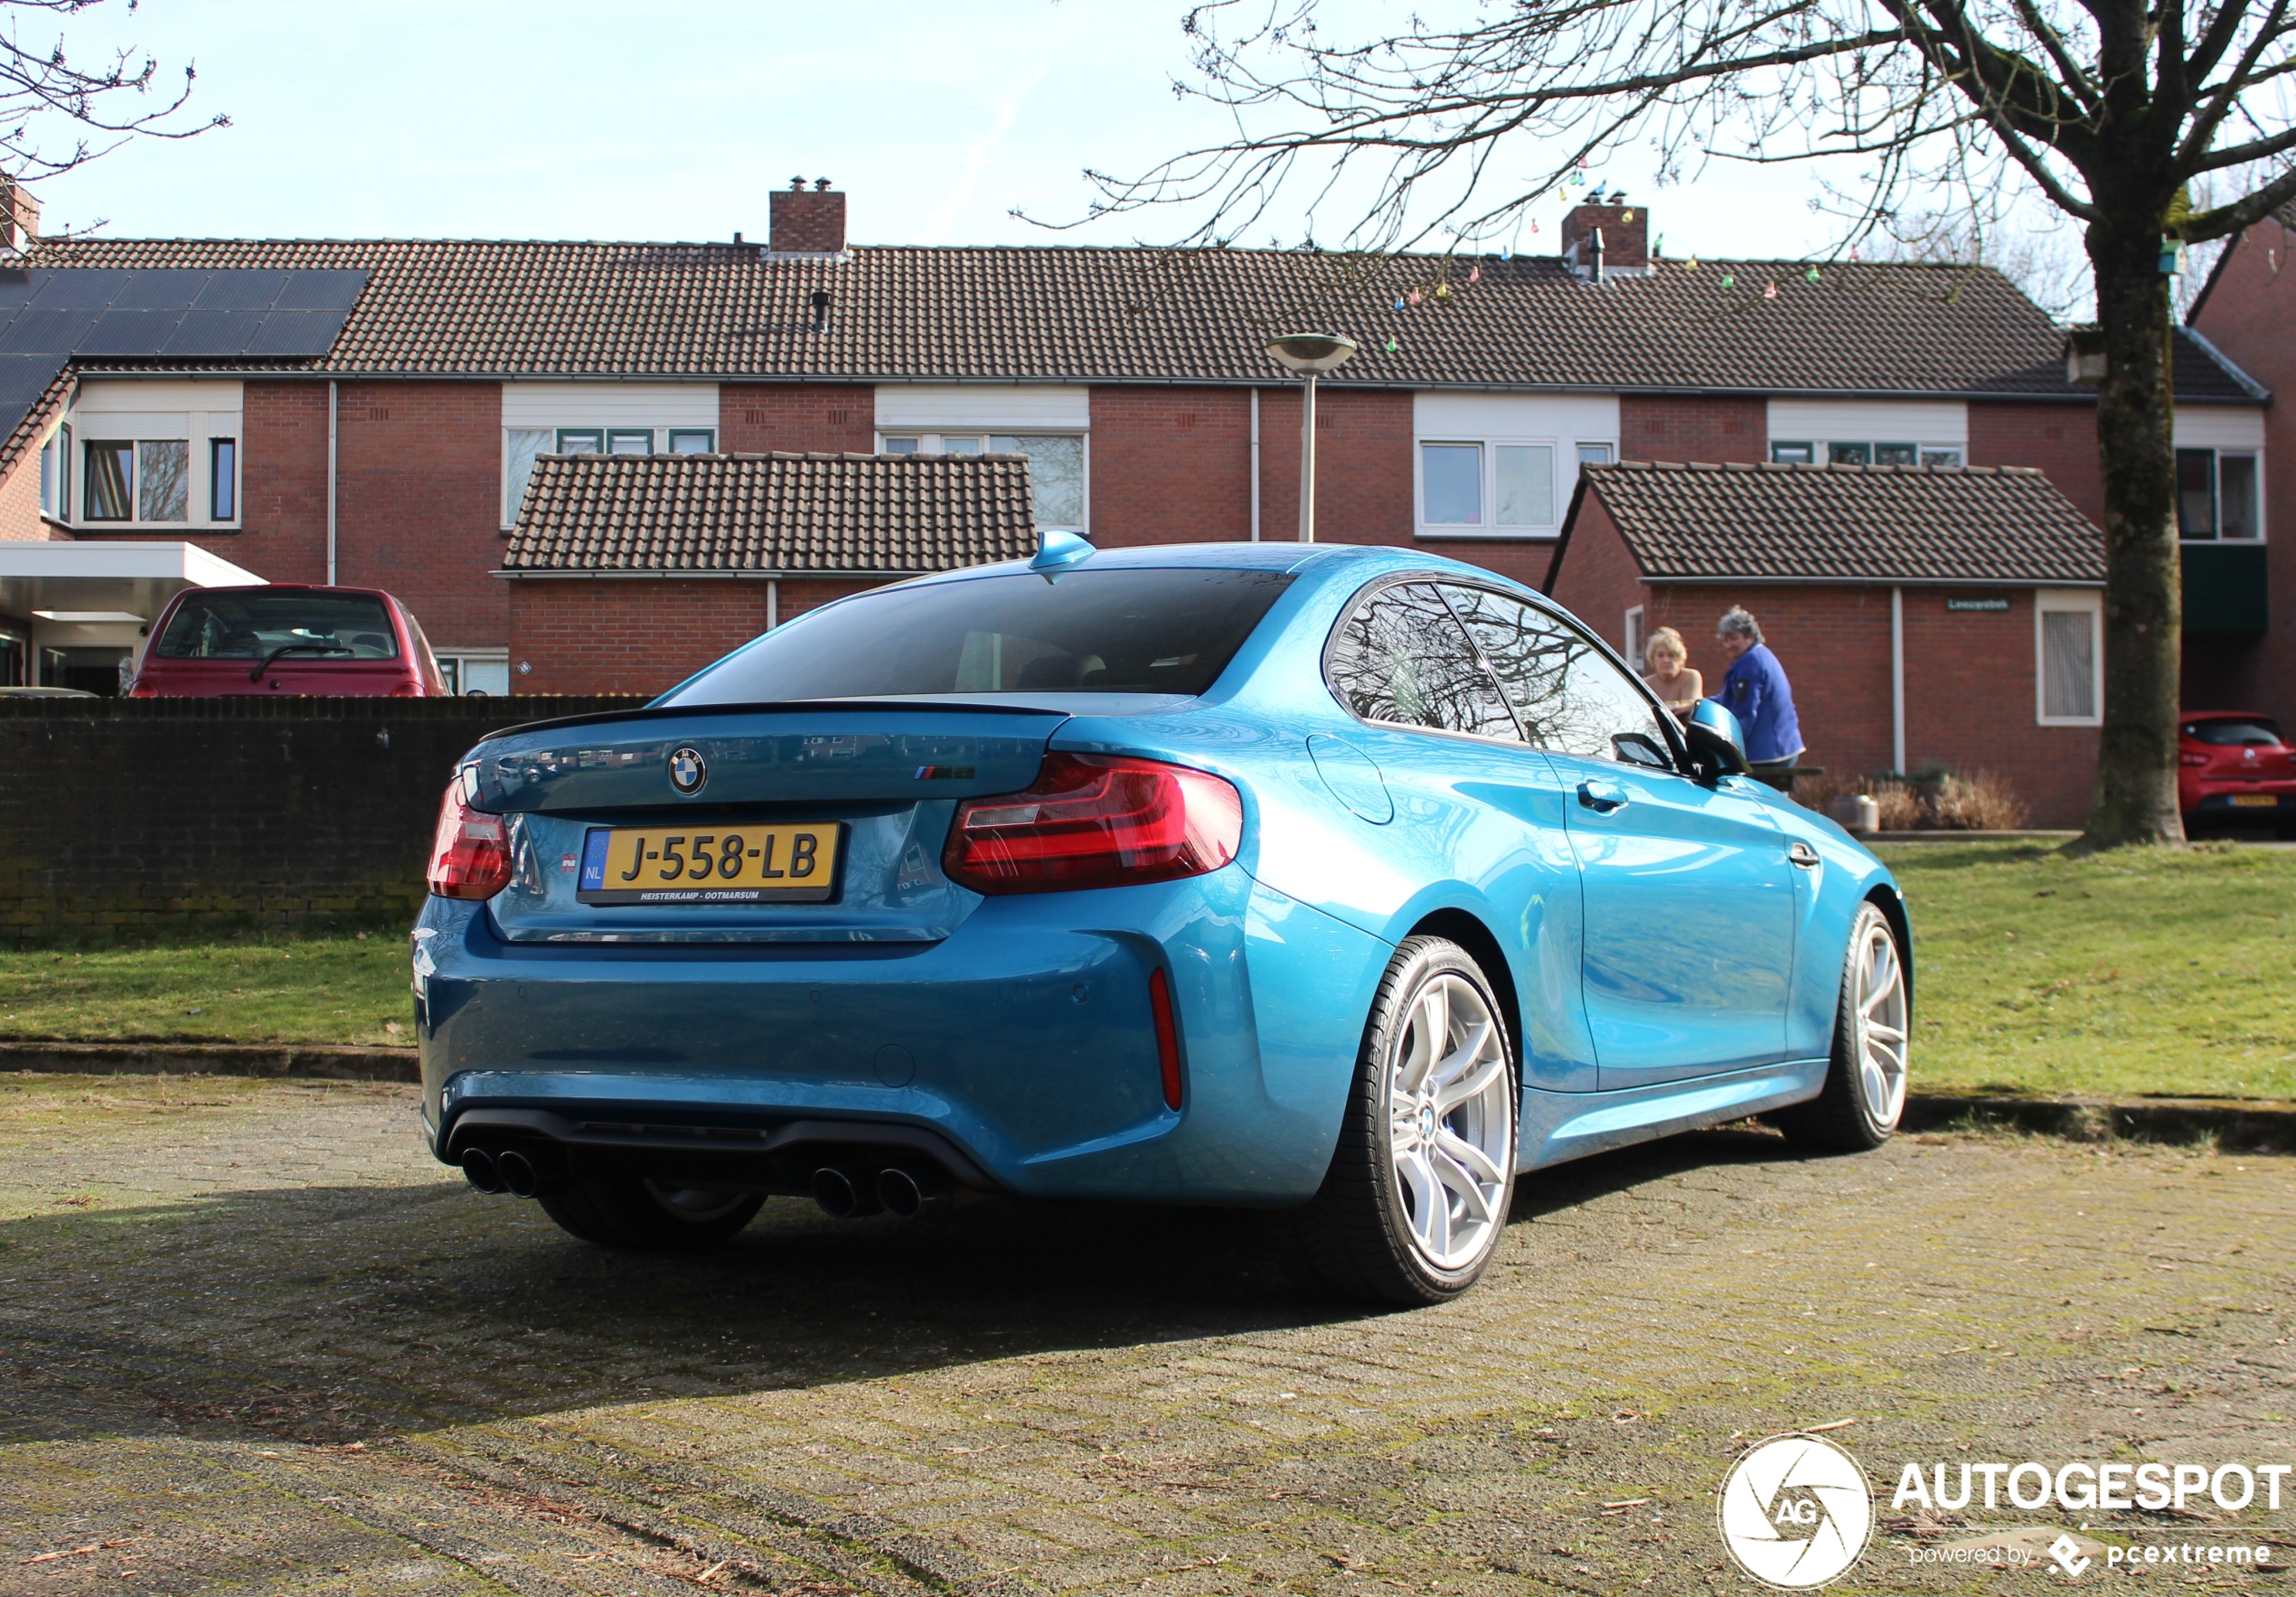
[808,221]
[19,216]
[1626,235]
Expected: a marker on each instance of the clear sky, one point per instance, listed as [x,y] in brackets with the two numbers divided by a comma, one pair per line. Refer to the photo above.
[672,118]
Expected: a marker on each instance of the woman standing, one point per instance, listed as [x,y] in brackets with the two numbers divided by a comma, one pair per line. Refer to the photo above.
[1666,662]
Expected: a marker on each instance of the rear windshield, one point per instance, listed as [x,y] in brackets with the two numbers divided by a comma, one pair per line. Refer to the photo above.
[1092,631]
[2253,731]
[253,626]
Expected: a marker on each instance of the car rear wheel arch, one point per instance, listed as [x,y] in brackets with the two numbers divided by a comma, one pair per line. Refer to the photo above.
[1462,927]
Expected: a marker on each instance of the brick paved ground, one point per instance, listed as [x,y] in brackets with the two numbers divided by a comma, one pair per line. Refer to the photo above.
[251,1340]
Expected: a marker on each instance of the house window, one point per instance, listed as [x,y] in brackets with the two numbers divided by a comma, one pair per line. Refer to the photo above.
[1057,468]
[1860,452]
[1525,484]
[692,440]
[222,479]
[2217,496]
[163,480]
[1451,485]
[111,479]
[581,440]
[629,440]
[55,477]
[2070,658]
[522,446]
[1594,455]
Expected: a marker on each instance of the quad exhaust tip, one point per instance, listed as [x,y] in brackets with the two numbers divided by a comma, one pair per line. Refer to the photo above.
[508,1171]
[907,1193]
[842,1198]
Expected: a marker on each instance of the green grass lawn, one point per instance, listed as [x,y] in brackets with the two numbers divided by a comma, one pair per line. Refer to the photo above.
[339,989]
[2140,972]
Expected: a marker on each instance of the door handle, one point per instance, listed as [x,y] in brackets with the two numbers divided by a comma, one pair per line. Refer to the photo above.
[1603,797]
[1803,854]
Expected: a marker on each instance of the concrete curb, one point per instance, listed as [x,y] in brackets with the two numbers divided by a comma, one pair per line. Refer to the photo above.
[2234,1125]
[312,1062]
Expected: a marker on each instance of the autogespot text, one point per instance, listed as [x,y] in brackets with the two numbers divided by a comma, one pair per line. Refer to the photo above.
[2081,1486]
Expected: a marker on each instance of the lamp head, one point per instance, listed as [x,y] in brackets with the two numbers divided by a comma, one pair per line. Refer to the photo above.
[1311,354]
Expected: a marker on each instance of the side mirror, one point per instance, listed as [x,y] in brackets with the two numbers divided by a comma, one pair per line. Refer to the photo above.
[1717,748]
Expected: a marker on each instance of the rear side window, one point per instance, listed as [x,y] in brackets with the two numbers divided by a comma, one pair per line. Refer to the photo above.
[1402,659]
[1570,698]
[1133,631]
[251,625]
[2248,732]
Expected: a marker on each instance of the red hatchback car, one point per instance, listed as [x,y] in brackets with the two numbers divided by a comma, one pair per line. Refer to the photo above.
[287,638]
[2234,767]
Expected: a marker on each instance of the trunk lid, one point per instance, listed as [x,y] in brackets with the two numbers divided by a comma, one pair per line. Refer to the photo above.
[885,779]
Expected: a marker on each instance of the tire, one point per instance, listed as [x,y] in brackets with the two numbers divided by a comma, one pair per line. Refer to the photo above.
[638,1215]
[1416,1197]
[1865,1092]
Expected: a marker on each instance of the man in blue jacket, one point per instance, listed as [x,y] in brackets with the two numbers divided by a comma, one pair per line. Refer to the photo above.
[1756,691]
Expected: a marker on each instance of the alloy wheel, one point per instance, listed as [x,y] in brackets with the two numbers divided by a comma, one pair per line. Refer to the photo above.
[1877,1016]
[1451,1121]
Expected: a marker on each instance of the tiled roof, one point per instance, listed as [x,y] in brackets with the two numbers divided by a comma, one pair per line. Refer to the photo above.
[727,514]
[1843,524]
[511,309]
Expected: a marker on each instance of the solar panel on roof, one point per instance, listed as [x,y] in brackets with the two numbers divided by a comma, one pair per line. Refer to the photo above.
[322,291]
[45,330]
[92,287]
[251,290]
[209,333]
[169,289]
[128,332]
[298,333]
[22,380]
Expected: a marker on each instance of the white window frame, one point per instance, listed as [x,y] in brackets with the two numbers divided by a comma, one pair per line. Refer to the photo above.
[934,441]
[199,468]
[2086,601]
[1821,450]
[1635,640]
[2216,457]
[1562,465]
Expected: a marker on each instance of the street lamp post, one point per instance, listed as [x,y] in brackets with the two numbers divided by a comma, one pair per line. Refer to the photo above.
[1311,354]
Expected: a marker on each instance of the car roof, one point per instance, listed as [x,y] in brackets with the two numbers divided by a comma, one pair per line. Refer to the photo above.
[1286,555]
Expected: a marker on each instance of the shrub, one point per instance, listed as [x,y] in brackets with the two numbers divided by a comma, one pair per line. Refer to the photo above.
[1944,800]
[1982,803]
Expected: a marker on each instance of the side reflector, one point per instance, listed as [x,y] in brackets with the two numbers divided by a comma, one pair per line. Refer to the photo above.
[1167,1034]
[470,855]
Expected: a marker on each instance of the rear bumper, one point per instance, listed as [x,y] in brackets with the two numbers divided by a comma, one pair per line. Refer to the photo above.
[2217,801]
[1021,1045]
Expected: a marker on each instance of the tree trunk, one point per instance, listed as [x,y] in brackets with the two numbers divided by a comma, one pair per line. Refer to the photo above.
[2136,795]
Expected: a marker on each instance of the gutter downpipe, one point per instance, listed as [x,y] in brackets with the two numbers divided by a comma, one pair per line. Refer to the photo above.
[332,396]
[1898,680]
[773,603]
[1255,465]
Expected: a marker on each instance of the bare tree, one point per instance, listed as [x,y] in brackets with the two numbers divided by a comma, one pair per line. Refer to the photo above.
[58,112]
[2115,111]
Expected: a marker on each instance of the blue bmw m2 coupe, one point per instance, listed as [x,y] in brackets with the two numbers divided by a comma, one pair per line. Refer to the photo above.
[1344,881]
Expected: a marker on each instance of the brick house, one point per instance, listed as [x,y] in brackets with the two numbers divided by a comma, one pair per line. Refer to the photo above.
[624,573]
[1932,617]
[1133,379]
[2238,585]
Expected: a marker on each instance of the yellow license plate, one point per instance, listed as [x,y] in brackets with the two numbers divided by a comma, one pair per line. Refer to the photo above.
[794,862]
[2255,801]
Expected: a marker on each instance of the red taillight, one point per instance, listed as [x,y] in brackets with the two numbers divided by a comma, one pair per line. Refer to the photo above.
[1167,1034]
[143,690]
[470,856]
[1095,820]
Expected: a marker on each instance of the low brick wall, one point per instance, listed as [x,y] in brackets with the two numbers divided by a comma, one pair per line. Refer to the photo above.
[135,816]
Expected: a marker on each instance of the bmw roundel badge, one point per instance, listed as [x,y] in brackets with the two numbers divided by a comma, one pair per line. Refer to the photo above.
[688,769]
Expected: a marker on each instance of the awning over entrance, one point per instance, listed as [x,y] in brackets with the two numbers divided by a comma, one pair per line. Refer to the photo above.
[71,613]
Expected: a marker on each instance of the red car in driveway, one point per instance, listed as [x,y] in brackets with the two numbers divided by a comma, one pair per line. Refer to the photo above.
[287,638]
[2234,767]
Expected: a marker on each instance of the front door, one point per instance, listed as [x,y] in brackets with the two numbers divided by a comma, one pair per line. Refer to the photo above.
[1688,894]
